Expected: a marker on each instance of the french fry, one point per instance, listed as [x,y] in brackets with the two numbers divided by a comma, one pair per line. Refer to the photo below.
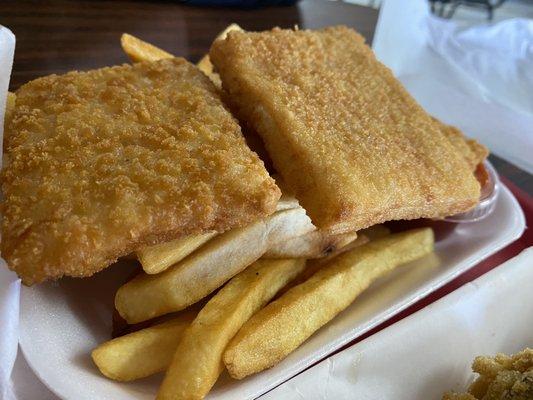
[224,256]
[142,353]
[157,258]
[205,64]
[198,358]
[10,105]
[138,50]
[314,264]
[315,244]
[283,325]
[364,236]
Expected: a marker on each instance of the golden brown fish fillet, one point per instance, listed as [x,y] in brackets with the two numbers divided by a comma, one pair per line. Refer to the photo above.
[99,163]
[341,130]
[473,152]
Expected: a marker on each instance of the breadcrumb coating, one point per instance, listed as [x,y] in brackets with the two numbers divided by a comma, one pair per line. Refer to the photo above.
[100,163]
[473,152]
[501,377]
[341,130]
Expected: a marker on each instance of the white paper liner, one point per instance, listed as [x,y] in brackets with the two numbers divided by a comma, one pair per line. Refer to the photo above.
[9,284]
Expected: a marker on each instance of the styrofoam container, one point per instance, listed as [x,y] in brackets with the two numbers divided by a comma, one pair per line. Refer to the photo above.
[62,322]
[430,352]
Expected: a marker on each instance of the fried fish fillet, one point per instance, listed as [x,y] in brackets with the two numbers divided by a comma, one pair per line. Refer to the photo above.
[343,133]
[100,163]
[473,152]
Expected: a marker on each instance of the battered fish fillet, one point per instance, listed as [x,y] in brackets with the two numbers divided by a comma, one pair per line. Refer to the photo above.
[341,130]
[99,163]
[474,152]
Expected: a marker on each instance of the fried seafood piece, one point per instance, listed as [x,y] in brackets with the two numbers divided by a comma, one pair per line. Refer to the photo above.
[501,377]
[100,163]
[473,152]
[343,133]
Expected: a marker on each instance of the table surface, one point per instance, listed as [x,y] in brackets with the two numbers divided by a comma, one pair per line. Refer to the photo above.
[60,36]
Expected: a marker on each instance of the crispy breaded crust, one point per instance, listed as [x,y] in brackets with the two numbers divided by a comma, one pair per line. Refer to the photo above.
[341,130]
[473,152]
[500,377]
[102,162]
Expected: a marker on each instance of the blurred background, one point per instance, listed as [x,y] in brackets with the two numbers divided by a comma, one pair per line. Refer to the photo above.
[472,11]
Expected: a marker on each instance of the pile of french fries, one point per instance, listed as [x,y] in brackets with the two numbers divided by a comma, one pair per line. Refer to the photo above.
[279,280]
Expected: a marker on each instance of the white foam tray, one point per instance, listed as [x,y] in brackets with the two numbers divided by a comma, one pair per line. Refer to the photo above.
[430,352]
[62,322]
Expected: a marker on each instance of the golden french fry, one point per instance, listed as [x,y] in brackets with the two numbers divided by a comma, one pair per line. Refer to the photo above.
[157,258]
[10,105]
[363,237]
[198,359]
[205,64]
[148,296]
[283,325]
[142,353]
[11,100]
[313,265]
[139,50]
[314,244]
[359,241]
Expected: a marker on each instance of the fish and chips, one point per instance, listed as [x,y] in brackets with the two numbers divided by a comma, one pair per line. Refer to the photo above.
[243,261]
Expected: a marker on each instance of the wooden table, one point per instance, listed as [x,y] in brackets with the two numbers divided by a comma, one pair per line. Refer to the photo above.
[59,36]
